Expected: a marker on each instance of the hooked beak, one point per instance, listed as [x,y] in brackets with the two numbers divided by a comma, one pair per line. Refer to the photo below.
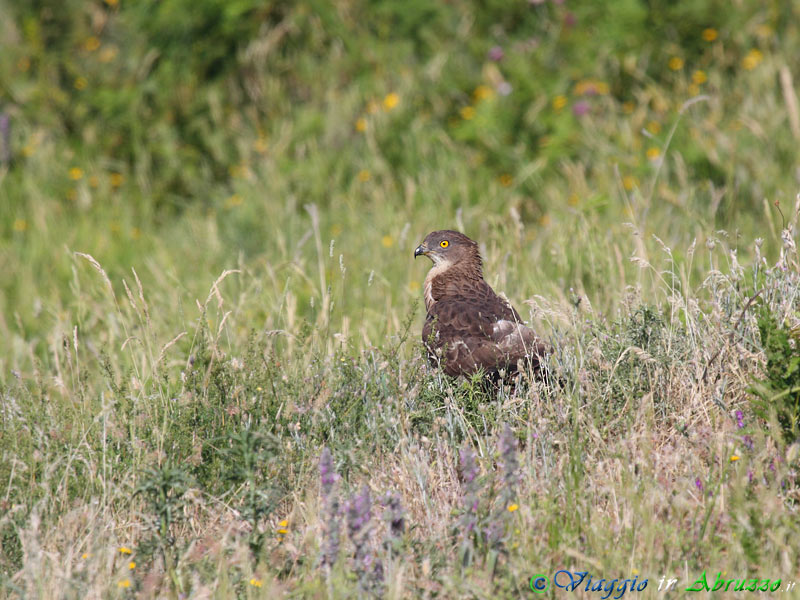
[421,250]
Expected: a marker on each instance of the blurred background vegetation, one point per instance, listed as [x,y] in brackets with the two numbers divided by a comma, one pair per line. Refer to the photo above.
[208,210]
[184,137]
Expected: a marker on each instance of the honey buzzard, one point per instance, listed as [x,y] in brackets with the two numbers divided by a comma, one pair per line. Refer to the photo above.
[469,328]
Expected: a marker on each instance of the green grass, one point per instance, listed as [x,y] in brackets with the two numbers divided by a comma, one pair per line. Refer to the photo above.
[206,241]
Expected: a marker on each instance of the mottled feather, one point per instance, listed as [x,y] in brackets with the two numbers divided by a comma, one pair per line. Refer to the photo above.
[469,328]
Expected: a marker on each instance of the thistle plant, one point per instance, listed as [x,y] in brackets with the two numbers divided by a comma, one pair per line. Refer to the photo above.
[163,489]
[249,457]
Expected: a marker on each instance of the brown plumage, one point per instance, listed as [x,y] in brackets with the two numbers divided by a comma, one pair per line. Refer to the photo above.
[468,327]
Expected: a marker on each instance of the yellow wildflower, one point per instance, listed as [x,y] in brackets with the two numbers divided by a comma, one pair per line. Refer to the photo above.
[256,582]
[363,175]
[467,113]
[388,242]
[559,102]
[653,153]
[125,583]
[116,179]
[734,458]
[654,127]
[131,565]
[81,83]
[709,34]
[361,124]
[699,76]
[284,523]
[675,63]
[112,2]
[482,92]
[76,173]
[85,555]
[752,59]
[591,86]
[390,101]
[513,506]
[629,182]
[505,180]
[91,44]
[20,225]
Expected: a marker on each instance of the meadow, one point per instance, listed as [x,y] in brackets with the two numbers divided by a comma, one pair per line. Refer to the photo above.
[212,383]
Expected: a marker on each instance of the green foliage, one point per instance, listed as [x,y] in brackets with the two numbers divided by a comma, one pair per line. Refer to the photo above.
[779,388]
[163,489]
[637,353]
[250,460]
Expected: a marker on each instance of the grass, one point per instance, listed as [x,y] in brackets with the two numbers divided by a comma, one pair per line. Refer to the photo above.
[212,380]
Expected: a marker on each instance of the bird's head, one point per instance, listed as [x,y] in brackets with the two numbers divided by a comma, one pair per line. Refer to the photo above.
[447,247]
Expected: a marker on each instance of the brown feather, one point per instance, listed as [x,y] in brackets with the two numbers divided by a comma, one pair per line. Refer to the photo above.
[469,327]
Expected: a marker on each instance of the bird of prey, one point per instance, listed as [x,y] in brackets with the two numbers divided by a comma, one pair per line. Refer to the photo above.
[469,328]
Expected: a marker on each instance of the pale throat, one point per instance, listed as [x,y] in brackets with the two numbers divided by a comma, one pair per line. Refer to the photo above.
[440,265]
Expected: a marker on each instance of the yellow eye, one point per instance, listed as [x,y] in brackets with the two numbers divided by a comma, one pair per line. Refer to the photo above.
[444,243]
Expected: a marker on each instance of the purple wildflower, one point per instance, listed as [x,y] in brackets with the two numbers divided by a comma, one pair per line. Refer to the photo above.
[359,511]
[494,532]
[748,442]
[739,419]
[330,508]
[508,453]
[327,472]
[698,484]
[496,53]
[580,108]
[359,514]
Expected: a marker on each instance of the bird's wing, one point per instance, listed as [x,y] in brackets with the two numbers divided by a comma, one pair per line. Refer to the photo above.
[470,332]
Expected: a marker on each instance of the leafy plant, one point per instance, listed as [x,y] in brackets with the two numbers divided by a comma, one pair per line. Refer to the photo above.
[779,388]
[163,489]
